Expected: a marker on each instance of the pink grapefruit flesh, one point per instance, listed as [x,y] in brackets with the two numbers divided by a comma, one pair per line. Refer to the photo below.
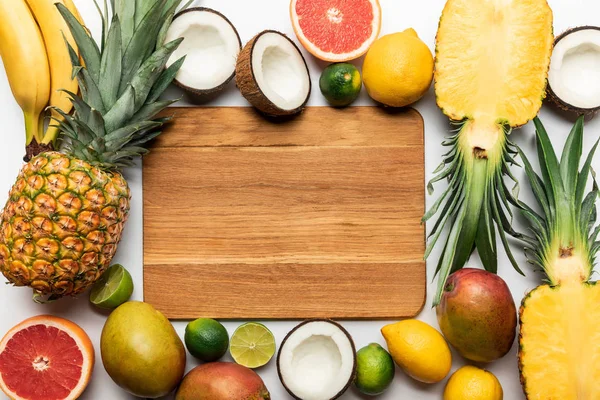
[45,358]
[336,30]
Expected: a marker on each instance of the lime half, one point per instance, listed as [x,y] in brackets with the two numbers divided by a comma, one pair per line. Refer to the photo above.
[113,288]
[252,345]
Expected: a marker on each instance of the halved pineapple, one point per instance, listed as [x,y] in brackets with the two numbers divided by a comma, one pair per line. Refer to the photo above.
[559,353]
[492,59]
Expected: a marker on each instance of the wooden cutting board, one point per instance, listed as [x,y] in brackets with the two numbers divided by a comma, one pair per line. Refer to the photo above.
[315,216]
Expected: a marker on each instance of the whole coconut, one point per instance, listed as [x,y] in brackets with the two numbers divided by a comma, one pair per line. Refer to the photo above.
[141,351]
[477,315]
[222,381]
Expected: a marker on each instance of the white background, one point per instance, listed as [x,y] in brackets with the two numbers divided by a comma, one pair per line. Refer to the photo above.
[251,17]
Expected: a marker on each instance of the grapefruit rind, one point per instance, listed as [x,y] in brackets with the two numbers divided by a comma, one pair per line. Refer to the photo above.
[334,57]
[75,332]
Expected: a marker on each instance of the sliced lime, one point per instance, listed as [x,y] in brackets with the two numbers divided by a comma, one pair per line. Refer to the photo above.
[113,288]
[252,345]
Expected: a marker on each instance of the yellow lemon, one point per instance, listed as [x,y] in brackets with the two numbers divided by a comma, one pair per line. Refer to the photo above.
[472,383]
[398,69]
[420,350]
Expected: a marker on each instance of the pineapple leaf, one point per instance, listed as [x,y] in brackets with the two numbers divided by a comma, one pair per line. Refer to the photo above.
[500,222]
[87,47]
[583,175]
[110,66]
[455,202]
[143,39]
[149,110]
[487,248]
[142,7]
[144,139]
[122,111]
[162,33]
[433,210]
[130,130]
[81,107]
[125,10]
[164,80]
[571,156]
[537,185]
[74,58]
[588,208]
[90,91]
[150,70]
[96,124]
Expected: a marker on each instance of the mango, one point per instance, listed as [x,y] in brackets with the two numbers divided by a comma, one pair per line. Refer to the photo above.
[477,315]
[222,381]
[141,351]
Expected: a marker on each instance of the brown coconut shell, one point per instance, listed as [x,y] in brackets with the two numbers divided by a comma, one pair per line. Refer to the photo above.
[553,97]
[217,89]
[308,321]
[246,81]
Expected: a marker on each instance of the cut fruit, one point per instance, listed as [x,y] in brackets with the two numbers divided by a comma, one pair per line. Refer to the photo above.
[317,360]
[211,45]
[252,345]
[574,77]
[272,74]
[45,358]
[113,289]
[491,65]
[336,30]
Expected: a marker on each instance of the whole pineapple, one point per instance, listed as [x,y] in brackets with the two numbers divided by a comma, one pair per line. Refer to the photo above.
[559,356]
[65,214]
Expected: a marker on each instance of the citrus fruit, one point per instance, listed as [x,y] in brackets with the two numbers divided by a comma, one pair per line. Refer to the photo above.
[420,350]
[472,383]
[374,370]
[398,69]
[113,288]
[340,83]
[44,358]
[336,30]
[252,345]
[206,339]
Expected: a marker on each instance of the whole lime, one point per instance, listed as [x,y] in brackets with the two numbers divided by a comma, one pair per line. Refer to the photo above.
[340,83]
[374,369]
[206,339]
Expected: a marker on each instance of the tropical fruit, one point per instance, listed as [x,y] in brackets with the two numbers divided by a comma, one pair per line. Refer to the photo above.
[65,213]
[252,345]
[340,83]
[374,370]
[44,358]
[491,65]
[472,383]
[418,349]
[206,339]
[222,381]
[141,351]
[477,315]
[398,69]
[113,288]
[336,30]
[558,341]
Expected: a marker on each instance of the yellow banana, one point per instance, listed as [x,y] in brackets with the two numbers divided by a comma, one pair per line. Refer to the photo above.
[53,27]
[26,63]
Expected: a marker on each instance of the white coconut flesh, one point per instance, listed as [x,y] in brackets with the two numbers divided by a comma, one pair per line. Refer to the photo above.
[211,46]
[575,69]
[280,71]
[317,361]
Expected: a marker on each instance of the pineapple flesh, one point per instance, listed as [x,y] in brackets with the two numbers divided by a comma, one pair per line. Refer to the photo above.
[65,214]
[492,59]
[559,356]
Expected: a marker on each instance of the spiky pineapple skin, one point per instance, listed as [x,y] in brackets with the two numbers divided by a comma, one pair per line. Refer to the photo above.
[61,224]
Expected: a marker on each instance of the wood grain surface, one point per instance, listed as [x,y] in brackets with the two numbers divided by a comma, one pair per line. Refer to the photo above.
[315,216]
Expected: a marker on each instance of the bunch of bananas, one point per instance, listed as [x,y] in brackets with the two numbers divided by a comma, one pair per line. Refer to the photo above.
[37,62]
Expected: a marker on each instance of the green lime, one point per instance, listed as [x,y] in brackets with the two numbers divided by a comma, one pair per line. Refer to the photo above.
[113,288]
[374,369]
[340,84]
[206,339]
[252,345]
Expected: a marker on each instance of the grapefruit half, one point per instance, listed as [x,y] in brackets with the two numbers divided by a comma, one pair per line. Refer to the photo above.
[336,30]
[45,358]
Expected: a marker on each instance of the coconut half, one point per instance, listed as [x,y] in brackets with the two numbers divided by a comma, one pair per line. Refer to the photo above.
[574,77]
[317,360]
[273,75]
[211,45]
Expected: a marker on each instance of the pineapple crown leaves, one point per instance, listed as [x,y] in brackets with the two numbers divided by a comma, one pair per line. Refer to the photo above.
[120,82]
[476,204]
[568,213]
